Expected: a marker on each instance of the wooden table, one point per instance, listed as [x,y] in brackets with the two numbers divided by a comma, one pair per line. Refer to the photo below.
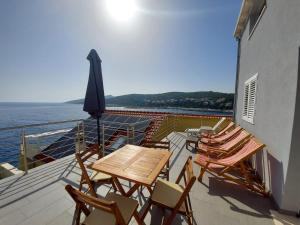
[137,164]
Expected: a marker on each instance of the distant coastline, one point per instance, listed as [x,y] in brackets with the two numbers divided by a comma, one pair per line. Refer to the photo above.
[193,101]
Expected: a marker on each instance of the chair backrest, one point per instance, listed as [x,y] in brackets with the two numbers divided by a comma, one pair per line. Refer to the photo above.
[189,178]
[249,148]
[229,135]
[225,130]
[157,144]
[218,124]
[81,158]
[236,141]
[83,200]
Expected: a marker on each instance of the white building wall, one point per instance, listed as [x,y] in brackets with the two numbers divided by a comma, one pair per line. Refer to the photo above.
[273,52]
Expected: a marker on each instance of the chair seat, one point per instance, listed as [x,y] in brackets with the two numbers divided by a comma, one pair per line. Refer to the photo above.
[166,193]
[97,176]
[202,161]
[127,206]
[208,141]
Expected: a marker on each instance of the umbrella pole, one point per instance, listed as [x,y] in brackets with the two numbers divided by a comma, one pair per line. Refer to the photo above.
[98,133]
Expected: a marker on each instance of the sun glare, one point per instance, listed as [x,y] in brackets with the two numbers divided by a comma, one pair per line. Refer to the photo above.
[121,10]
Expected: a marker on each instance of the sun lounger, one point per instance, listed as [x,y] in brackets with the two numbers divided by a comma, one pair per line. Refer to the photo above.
[226,148]
[226,129]
[197,131]
[237,162]
[222,139]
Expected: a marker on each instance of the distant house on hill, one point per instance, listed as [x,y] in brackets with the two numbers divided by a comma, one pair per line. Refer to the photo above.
[268,92]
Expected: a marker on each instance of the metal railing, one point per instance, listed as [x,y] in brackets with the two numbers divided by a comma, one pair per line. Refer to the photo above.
[179,123]
[18,144]
[25,147]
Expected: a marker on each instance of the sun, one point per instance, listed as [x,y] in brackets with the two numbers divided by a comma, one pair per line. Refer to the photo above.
[121,10]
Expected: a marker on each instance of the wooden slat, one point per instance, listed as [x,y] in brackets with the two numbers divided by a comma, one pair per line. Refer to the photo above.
[134,163]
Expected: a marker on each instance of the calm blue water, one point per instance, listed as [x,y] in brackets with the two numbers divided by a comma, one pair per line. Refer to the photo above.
[17,114]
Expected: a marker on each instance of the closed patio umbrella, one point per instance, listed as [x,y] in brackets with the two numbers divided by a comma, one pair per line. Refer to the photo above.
[94,102]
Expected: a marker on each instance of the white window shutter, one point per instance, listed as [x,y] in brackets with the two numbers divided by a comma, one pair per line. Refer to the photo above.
[250,99]
[246,97]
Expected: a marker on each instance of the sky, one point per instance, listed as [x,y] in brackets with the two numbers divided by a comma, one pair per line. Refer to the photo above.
[165,45]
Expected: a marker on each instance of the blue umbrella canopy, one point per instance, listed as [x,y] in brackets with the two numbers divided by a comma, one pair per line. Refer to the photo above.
[94,102]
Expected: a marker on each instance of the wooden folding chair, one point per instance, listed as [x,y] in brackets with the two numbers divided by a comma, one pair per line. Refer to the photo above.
[161,145]
[220,133]
[221,139]
[226,148]
[174,196]
[114,209]
[237,163]
[96,178]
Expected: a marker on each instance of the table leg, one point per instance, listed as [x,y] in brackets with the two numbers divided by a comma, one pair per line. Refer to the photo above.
[132,190]
[186,144]
[119,185]
[149,189]
[195,143]
[122,191]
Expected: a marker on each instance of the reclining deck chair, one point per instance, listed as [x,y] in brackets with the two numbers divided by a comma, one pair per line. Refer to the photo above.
[227,148]
[222,139]
[207,129]
[220,133]
[237,162]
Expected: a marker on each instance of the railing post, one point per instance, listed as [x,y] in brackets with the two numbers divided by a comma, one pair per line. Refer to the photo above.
[79,138]
[103,140]
[175,122]
[128,134]
[132,134]
[24,153]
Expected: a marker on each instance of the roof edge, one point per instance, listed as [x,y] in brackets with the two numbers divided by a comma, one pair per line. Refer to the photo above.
[243,18]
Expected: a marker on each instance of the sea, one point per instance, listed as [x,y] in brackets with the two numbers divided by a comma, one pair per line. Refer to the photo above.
[20,114]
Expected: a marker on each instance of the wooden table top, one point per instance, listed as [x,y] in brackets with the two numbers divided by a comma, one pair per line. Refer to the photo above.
[134,163]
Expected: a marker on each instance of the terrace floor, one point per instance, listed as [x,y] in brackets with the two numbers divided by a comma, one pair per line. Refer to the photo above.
[40,198]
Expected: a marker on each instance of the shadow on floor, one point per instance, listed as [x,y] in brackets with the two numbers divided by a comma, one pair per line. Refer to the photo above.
[22,186]
[158,215]
[258,206]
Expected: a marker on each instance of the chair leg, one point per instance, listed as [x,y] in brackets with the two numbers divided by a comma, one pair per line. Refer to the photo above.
[189,213]
[80,185]
[202,171]
[190,220]
[138,219]
[146,210]
[170,218]
[77,215]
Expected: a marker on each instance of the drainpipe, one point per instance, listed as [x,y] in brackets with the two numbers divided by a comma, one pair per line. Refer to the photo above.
[237,79]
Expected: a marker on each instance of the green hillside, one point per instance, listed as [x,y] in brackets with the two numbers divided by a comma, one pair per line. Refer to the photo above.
[205,100]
